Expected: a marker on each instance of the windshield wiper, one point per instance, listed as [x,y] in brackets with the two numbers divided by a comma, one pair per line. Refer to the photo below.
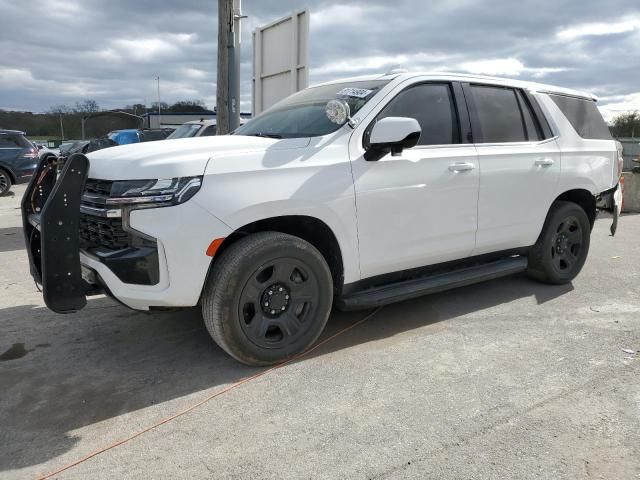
[266,135]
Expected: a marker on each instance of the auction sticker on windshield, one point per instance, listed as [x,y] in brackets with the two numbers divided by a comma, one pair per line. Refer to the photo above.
[355,92]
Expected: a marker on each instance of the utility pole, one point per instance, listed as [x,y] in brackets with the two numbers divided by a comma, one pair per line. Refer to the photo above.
[228,88]
[222,87]
[61,128]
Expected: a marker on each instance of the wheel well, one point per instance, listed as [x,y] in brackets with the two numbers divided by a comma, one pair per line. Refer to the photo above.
[311,229]
[9,172]
[585,199]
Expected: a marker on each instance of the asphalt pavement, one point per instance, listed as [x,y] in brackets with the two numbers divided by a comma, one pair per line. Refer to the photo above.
[506,379]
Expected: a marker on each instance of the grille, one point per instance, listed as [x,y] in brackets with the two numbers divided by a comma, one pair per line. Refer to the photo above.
[102,232]
[97,231]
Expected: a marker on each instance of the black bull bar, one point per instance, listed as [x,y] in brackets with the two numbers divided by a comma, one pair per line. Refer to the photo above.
[50,219]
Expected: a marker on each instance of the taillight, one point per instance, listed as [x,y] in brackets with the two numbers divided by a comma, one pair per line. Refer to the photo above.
[620,162]
[31,153]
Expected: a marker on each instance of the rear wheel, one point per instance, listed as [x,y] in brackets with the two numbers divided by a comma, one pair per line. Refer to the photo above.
[562,248]
[5,182]
[267,298]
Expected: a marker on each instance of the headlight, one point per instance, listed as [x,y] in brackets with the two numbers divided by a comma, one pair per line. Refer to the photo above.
[165,191]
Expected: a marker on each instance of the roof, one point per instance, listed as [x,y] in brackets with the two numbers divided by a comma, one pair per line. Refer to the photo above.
[13,132]
[465,77]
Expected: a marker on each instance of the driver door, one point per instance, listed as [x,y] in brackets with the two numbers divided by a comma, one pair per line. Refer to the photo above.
[420,207]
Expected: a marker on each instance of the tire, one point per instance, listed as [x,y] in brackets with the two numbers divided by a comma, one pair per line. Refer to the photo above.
[5,182]
[562,248]
[267,298]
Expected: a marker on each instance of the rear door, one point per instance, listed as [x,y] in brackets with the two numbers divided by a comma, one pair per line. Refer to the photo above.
[519,166]
[17,153]
[10,148]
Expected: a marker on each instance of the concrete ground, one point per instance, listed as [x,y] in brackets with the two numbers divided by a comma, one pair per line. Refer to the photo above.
[507,379]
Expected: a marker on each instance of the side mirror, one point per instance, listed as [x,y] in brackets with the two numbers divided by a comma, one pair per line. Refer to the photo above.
[392,135]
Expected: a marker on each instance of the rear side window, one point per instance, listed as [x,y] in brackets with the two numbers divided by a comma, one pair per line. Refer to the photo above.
[499,114]
[432,106]
[584,116]
[13,141]
[532,129]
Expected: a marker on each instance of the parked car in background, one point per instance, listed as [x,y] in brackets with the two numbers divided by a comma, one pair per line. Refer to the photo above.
[46,152]
[136,135]
[199,128]
[18,159]
[88,146]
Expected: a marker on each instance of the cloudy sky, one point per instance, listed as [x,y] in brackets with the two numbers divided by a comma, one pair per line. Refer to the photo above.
[62,51]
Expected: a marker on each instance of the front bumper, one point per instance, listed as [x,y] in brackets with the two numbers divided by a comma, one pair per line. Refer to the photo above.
[182,232]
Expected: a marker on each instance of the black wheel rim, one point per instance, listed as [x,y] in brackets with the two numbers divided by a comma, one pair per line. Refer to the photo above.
[4,182]
[567,245]
[278,302]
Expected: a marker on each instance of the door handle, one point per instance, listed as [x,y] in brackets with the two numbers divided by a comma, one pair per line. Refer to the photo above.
[461,167]
[544,162]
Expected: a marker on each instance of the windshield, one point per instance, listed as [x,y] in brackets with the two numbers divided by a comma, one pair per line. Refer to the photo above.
[185,131]
[303,113]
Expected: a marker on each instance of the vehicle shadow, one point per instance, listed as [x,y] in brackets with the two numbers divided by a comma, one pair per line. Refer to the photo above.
[60,373]
[11,239]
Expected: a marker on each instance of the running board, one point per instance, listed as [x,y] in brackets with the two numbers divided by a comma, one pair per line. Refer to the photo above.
[405,290]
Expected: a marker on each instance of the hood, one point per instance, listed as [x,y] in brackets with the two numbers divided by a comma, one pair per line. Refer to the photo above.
[181,157]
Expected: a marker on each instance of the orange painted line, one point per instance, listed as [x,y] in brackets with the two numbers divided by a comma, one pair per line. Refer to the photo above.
[206,399]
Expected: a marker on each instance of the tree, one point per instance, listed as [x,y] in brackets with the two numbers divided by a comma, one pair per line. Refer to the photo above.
[87,106]
[163,106]
[626,125]
[61,109]
[188,106]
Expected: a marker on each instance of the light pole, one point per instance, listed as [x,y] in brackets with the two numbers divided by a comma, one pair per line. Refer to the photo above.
[159,111]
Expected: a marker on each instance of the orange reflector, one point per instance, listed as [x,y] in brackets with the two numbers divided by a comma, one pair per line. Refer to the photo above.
[214,246]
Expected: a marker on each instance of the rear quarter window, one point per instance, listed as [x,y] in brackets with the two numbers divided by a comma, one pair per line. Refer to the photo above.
[13,141]
[584,116]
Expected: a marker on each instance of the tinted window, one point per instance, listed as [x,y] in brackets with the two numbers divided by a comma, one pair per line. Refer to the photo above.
[210,131]
[13,141]
[432,106]
[533,131]
[499,114]
[584,117]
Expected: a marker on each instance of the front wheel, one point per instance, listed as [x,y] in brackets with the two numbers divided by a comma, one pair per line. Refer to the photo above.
[562,248]
[267,298]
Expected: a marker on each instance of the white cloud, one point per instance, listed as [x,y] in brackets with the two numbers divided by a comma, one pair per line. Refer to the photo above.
[335,15]
[510,67]
[599,28]
[498,66]
[618,105]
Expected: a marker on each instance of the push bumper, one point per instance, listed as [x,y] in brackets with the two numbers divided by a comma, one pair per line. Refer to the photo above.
[50,218]
[68,274]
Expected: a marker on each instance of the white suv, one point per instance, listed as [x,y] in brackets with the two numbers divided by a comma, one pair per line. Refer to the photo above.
[358,192]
